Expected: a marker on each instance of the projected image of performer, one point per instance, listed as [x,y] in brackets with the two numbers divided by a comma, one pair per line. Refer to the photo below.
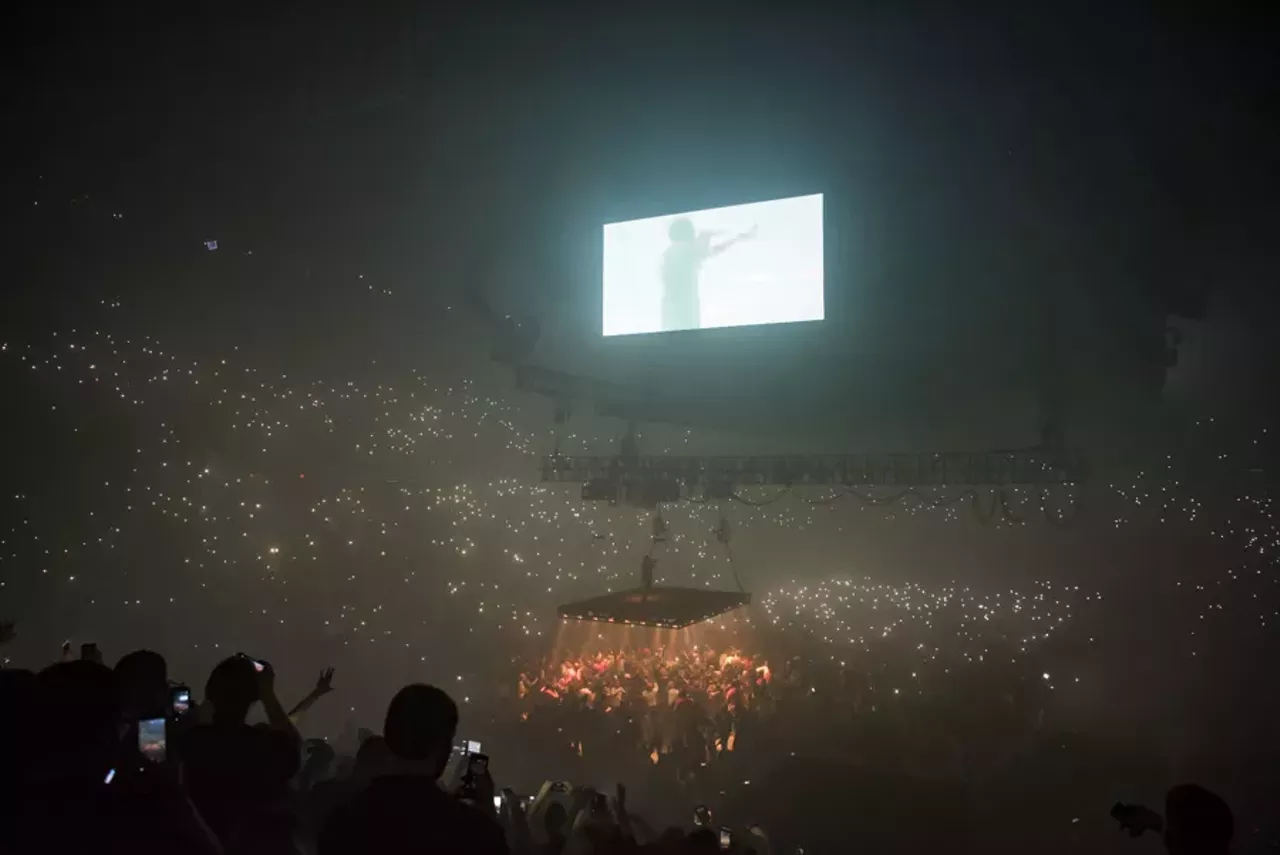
[681,266]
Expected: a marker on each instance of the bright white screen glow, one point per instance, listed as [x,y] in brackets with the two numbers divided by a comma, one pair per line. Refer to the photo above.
[724,267]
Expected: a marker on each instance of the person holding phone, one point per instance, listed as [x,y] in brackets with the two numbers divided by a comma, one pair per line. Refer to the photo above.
[239,774]
[405,809]
[148,720]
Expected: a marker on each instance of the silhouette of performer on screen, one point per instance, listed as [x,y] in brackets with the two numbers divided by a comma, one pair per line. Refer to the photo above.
[681,265]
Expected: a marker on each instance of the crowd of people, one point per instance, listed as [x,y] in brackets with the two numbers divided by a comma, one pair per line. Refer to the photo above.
[695,712]
[121,759]
[690,708]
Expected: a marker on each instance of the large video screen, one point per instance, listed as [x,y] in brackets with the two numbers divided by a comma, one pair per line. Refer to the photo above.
[723,267]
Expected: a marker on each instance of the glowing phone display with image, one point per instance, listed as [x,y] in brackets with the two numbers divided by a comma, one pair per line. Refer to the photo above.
[151,739]
[180,700]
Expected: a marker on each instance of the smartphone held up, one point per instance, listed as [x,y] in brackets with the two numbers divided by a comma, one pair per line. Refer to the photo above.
[477,767]
[180,700]
[475,770]
[152,739]
[259,665]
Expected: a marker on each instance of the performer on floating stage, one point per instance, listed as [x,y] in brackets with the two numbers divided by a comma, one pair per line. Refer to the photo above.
[646,573]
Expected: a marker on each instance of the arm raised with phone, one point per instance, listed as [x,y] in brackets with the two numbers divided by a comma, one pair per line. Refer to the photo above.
[275,711]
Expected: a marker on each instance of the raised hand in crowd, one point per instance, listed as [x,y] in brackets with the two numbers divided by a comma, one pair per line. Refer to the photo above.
[513,819]
[594,828]
[324,685]
[620,815]
[276,715]
[484,791]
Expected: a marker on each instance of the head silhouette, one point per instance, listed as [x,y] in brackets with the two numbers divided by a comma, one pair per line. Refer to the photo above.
[78,714]
[681,230]
[1196,822]
[702,841]
[232,687]
[142,684]
[420,726]
[671,840]
[371,758]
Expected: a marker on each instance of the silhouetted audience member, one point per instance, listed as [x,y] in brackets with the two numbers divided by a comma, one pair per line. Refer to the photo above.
[78,713]
[371,760]
[703,841]
[141,692]
[18,722]
[671,841]
[404,809]
[239,774]
[318,766]
[142,685]
[1197,822]
[373,757]
[76,800]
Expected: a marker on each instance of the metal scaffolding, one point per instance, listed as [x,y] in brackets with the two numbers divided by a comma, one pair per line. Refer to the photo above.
[715,474]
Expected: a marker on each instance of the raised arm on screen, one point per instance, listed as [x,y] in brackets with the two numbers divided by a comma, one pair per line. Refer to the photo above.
[719,248]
